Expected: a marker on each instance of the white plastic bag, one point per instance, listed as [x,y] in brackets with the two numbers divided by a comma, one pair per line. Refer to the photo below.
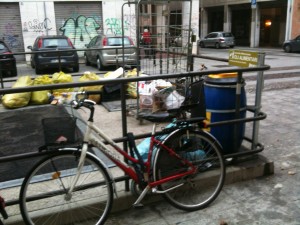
[174,100]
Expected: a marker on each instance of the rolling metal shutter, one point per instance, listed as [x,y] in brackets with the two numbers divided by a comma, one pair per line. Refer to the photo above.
[11,28]
[80,21]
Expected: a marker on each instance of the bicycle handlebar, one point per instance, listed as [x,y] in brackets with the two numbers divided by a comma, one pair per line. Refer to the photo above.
[77,103]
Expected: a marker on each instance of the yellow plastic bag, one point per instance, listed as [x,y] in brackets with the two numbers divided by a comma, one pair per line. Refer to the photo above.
[88,76]
[59,78]
[41,97]
[132,86]
[17,100]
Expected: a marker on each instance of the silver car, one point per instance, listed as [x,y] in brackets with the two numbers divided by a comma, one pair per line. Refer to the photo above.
[218,40]
[106,50]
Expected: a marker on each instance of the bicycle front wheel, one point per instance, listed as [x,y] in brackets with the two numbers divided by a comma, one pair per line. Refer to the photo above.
[196,191]
[44,198]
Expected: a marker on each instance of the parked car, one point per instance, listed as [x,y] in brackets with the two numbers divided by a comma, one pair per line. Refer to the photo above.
[53,54]
[292,45]
[8,65]
[106,50]
[218,40]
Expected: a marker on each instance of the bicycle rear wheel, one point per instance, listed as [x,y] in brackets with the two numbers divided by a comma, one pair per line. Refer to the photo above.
[44,199]
[198,190]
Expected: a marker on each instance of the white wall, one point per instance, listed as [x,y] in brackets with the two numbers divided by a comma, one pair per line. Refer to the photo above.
[112,18]
[37,19]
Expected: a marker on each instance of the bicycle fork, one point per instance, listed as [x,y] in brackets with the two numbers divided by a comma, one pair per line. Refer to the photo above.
[78,171]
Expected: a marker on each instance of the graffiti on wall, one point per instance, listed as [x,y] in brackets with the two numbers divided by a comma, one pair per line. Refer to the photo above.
[114,26]
[12,40]
[37,26]
[80,30]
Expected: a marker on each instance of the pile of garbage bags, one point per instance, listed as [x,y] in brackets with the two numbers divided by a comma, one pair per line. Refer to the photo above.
[17,100]
[156,95]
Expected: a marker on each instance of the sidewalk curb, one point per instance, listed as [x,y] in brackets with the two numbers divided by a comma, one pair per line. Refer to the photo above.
[257,167]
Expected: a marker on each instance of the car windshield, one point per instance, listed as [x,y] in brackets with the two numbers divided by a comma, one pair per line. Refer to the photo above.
[48,43]
[2,47]
[227,35]
[117,41]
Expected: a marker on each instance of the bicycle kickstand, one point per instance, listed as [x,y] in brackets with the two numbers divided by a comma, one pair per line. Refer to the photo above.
[138,203]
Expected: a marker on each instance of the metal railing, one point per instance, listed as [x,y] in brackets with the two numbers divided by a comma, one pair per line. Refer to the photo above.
[255,109]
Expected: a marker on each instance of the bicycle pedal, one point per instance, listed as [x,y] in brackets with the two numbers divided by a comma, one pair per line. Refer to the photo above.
[138,206]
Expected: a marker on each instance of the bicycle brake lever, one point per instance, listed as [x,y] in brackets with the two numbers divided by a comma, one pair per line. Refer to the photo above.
[74,104]
[89,101]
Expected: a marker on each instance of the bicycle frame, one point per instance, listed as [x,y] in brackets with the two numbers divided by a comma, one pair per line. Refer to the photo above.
[89,138]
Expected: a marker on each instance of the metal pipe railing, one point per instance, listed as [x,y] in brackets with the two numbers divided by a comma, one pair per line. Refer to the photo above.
[258,147]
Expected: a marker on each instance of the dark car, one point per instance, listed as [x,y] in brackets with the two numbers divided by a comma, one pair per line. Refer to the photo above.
[218,40]
[111,52]
[292,45]
[54,53]
[7,61]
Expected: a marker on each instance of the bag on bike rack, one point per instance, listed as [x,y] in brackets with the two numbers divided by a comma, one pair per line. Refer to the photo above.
[196,96]
[60,131]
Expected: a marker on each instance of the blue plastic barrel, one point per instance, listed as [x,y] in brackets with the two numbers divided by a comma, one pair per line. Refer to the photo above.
[220,99]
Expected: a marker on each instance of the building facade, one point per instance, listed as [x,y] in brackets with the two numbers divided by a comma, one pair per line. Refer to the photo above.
[22,21]
[254,23]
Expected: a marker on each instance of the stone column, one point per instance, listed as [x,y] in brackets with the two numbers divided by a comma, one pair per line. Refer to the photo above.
[227,18]
[255,27]
[204,22]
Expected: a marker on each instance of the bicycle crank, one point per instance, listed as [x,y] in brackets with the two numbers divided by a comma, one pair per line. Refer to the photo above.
[156,191]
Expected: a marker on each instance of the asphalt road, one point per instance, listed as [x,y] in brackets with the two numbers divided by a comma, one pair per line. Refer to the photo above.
[283,65]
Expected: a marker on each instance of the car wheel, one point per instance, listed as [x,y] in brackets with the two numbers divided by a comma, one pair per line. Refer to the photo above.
[86,61]
[32,64]
[202,45]
[13,73]
[99,64]
[231,46]
[76,69]
[37,70]
[217,45]
[287,48]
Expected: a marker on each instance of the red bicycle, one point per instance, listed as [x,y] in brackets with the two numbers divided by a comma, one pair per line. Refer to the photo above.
[73,185]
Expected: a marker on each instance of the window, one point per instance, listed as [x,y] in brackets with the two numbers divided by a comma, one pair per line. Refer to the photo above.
[56,43]
[118,41]
[2,47]
[227,35]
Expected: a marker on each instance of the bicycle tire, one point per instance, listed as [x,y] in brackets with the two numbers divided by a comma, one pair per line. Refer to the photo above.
[43,199]
[197,191]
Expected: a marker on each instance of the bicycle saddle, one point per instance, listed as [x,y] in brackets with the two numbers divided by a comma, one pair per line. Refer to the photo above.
[157,117]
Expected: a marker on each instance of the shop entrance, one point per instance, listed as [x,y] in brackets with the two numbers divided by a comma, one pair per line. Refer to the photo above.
[272,26]
[241,24]
[215,19]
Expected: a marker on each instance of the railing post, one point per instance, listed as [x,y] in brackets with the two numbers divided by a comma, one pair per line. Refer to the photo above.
[258,95]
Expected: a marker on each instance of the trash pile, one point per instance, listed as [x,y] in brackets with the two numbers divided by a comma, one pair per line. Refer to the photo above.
[158,95]
[154,96]
[59,96]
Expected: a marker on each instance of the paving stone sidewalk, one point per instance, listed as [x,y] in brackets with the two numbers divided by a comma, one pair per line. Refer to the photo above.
[272,200]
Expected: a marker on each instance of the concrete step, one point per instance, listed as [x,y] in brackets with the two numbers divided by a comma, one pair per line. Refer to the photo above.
[248,168]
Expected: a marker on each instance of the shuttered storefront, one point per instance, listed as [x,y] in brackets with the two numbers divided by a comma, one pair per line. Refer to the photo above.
[80,21]
[11,27]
